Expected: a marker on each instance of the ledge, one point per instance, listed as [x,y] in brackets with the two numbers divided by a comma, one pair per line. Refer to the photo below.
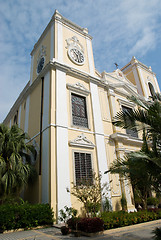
[125,138]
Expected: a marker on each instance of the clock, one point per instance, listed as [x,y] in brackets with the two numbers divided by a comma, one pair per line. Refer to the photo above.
[40,64]
[76,55]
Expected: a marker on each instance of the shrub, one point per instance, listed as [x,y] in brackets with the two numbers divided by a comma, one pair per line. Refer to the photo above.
[152,201]
[25,215]
[119,219]
[90,225]
[72,223]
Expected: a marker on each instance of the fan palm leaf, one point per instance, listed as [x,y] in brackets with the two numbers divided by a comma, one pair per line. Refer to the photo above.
[15,160]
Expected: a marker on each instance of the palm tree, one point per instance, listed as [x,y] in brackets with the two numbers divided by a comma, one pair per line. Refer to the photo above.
[143,168]
[146,117]
[15,161]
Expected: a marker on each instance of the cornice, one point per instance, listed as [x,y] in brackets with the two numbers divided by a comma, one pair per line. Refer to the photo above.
[137,63]
[57,17]
[125,138]
[17,103]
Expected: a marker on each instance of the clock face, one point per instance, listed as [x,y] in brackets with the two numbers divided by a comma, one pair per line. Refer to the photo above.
[40,65]
[76,56]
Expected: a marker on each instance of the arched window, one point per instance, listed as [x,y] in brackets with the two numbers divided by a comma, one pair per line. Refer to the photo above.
[151,88]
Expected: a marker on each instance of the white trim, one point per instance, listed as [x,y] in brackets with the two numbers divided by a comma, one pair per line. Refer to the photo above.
[61,99]
[62,154]
[31,69]
[45,167]
[156,83]
[69,128]
[122,137]
[143,83]
[80,93]
[100,142]
[137,81]
[45,140]
[81,141]
[27,114]
[60,41]
[19,116]
[98,126]
[90,57]
[124,102]
[52,41]
[127,192]
[78,88]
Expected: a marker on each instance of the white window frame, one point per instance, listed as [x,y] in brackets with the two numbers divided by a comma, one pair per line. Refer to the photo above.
[80,151]
[130,107]
[82,92]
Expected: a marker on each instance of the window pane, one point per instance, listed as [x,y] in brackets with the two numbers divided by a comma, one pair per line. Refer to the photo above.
[131,132]
[77,168]
[83,168]
[79,112]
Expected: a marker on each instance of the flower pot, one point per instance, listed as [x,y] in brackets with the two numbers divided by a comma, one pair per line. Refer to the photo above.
[64,230]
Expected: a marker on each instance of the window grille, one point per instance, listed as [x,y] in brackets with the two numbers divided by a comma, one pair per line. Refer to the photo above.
[132,132]
[83,168]
[79,111]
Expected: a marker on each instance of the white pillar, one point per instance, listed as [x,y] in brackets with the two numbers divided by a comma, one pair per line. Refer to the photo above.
[90,57]
[62,154]
[99,135]
[60,41]
[52,42]
[137,81]
[143,83]
[45,140]
[19,116]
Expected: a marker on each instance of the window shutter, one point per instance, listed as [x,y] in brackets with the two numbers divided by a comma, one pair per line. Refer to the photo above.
[79,111]
[83,168]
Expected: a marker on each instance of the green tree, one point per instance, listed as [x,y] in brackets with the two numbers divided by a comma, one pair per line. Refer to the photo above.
[143,168]
[15,161]
[147,117]
[90,194]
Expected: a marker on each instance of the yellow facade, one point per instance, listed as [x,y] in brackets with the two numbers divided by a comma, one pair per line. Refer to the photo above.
[67,109]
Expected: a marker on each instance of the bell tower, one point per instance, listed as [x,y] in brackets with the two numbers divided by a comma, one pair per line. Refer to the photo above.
[65,42]
[141,76]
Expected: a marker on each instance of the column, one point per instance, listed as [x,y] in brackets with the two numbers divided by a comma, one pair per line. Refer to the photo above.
[99,136]
[62,154]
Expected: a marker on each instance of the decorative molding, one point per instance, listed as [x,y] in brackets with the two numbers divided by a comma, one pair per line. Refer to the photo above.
[74,42]
[75,50]
[79,88]
[42,53]
[82,141]
[125,138]
[126,103]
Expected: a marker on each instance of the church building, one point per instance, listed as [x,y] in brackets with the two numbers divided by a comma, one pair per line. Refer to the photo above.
[67,109]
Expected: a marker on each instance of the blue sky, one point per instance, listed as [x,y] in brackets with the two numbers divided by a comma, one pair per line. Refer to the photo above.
[120,29]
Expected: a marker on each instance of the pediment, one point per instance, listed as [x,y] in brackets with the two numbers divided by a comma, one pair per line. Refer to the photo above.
[81,141]
[118,79]
[78,87]
[124,89]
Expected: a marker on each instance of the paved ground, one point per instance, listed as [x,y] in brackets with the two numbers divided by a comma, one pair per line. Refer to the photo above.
[136,232]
